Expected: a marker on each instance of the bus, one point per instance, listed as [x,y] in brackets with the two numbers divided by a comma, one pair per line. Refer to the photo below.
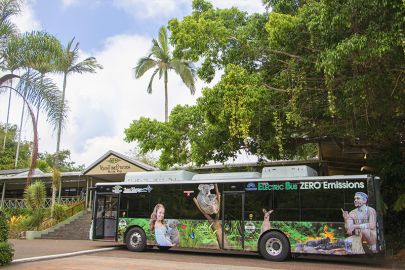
[281,212]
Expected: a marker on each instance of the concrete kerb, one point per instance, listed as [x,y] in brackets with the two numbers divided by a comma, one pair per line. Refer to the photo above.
[63,255]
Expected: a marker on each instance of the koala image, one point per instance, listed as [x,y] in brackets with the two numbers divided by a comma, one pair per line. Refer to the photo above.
[207,201]
[172,231]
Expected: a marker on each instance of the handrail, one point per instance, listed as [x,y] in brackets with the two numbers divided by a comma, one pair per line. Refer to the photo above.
[49,222]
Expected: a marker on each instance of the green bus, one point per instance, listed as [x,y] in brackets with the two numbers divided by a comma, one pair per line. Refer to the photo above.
[283,211]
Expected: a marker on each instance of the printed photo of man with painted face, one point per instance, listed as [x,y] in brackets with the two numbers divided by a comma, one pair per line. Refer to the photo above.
[361,224]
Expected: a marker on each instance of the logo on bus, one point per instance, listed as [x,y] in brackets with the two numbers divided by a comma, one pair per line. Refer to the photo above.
[250,227]
[116,189]
[251,187]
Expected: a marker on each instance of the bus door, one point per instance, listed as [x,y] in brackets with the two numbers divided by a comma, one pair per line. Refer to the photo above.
[106,216]
[233,227]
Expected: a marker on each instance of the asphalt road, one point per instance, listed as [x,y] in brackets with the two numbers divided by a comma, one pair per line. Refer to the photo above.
[186,260]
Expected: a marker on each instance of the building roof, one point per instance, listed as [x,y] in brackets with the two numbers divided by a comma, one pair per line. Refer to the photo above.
[142,165]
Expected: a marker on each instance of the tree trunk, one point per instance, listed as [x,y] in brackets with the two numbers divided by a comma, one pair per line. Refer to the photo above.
[166,99]
[53,201]
[34,155]
[215,223]
[56,161]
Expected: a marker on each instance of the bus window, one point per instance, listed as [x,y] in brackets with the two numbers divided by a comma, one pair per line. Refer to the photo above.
[322,205]
[135,206]
[255,201]
[286,205]
[188,209]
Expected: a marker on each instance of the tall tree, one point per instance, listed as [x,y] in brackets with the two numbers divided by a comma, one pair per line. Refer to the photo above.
[69,64]
[8,8]
[161,60]
[7,154]
[34,91]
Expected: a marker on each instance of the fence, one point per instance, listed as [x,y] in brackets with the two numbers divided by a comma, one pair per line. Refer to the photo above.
[20,203]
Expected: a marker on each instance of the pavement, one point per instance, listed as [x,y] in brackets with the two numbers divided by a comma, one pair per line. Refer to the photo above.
[42,249]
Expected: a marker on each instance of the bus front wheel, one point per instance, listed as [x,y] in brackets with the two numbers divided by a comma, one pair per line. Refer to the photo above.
[274,246]
[135,239]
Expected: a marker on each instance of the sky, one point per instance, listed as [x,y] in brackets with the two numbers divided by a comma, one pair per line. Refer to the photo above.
[102,105]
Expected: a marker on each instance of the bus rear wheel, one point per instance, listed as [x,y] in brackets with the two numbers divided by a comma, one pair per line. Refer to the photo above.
[135,239]
[274,246]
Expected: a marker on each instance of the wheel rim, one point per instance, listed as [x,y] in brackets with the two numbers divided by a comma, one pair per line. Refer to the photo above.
[136,239]
[274,246]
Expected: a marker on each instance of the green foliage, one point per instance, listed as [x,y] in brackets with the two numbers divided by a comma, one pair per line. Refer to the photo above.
[6,253]
[47,161]
[3,227]
[34,220]
[9,212]
[34,196]
[59,212]
[7,155]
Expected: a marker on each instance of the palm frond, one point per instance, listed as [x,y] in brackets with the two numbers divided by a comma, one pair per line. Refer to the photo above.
[149,90]
[8,8]
[43,93]
[143,65]
[158,52]
[187,73]
[163,40]
[87,65]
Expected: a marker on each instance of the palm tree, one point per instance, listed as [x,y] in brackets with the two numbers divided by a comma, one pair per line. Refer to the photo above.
[34,91]
[162,61]
[8,8]
[68,64]
[43,58]
[34,50]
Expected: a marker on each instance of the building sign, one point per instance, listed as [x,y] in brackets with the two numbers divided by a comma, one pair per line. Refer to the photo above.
[113,165]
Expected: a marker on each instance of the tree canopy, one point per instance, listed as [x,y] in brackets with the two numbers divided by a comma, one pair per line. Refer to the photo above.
[305,72]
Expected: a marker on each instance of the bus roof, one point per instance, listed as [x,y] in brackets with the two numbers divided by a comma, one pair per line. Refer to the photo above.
[212,179]
[158,176]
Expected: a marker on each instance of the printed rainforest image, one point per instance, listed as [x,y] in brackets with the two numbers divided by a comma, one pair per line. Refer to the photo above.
[356,234]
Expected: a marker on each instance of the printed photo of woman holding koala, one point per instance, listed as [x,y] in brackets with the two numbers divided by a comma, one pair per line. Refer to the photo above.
[166,234]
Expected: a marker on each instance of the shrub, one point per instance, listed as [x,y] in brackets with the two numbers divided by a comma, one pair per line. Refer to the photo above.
[59,212]
[15,212]
[34,220]
[34,196]
[3,227]
[6,253]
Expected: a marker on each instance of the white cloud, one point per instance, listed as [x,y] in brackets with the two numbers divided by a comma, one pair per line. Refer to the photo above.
[171,8]
[26,20]
[69,3]
[152,8]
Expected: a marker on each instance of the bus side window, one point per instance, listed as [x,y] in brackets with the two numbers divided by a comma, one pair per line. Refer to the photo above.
[286,205]
[136,206]
[322,205]
[255,202]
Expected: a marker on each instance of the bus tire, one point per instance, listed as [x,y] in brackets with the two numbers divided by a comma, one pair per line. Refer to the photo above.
[136,239]
[274,246]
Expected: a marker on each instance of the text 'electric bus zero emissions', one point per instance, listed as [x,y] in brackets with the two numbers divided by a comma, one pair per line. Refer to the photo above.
[279,212]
